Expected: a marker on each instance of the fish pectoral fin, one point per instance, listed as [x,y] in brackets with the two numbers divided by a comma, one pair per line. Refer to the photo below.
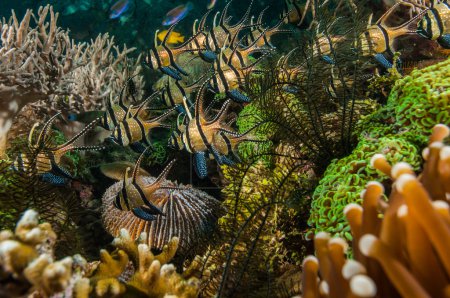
[200,164]
[143,213]
[383,61]
[444,41]
[208,56]
[54,179]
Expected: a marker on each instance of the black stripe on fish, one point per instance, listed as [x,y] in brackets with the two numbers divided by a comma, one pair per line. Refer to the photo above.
[438,18]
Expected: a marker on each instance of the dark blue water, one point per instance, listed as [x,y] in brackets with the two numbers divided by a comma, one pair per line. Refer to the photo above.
[136,26]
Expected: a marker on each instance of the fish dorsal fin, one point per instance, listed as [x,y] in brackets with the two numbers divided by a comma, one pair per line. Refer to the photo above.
[222,114]
[261,14]
[369,21]
[409,27]
[126,176]
[138,165]
[215,20]
[155,38]
[244,17]
[121,101]
[169,31]
[201,25]
[382,20]
[143,103]
[194,31]
[165,172]
[44,132]
[128,114]
[181,126]
[30,135]
[199,101]
[222,19]
[288,55]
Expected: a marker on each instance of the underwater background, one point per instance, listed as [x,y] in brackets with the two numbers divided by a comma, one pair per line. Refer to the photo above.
[277,148]
[134,27]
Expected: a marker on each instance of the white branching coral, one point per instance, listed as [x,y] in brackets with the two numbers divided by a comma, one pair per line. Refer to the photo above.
[40,64]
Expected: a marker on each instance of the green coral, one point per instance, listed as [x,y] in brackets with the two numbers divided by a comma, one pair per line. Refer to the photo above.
[398,130]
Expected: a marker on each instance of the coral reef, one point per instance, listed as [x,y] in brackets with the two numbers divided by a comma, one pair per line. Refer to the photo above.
[27,256]
[400,247]
[148,275]
[398,130]
[259,210]
[27,266]
[192,227]
[43,66]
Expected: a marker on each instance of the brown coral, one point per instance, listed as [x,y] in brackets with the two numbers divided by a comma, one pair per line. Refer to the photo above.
[43,66]
[27,254]
[190,215]
[150,274]
[402,252]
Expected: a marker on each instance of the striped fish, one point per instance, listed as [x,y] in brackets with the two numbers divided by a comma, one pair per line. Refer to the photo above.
[197,43]
[136,196]
[134,129]
[207,138]
[174,90]
[260,37]
[378,38]
[44,159]
[228,79]
[115,113]
[222,34]
[435,24]
[196,134]
[287,73]
[164,58]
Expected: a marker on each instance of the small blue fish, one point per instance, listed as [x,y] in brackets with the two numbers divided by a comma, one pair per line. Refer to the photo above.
[119,8]
[177,14]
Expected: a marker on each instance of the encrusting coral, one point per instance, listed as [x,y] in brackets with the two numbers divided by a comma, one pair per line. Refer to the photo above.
[43,66]
[398,130]
[400,247]
[27,266]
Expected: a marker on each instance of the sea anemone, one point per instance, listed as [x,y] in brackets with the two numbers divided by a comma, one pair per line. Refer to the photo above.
[190,215]
[401,247]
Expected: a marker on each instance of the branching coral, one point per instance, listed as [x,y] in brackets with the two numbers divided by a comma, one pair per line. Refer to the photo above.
[43,66]
[27,255]
[27,266]
[398,130]
[400,247]
[148,275]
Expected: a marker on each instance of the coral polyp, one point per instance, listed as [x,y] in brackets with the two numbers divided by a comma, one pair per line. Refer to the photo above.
[195,149]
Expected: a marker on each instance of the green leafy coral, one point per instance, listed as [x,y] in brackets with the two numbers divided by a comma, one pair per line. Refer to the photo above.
[416,103]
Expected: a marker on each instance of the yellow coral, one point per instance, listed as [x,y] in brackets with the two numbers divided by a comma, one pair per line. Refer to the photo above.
[151,276]
[28,254]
